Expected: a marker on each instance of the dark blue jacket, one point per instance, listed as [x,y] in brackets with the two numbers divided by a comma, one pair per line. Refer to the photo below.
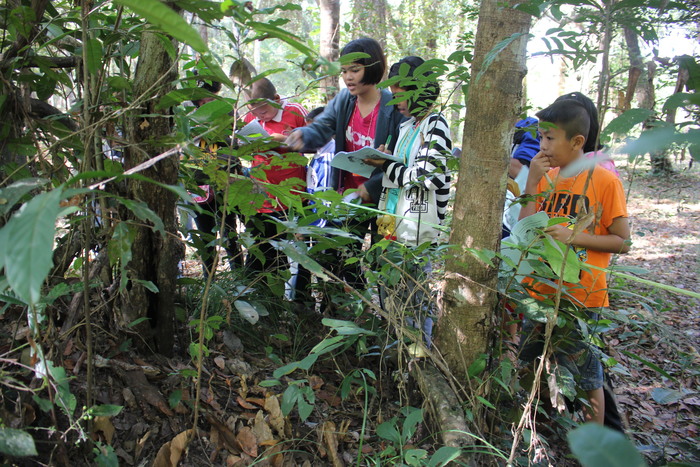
[333,122]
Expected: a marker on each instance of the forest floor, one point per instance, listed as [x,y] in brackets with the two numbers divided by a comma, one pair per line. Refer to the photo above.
[241,420]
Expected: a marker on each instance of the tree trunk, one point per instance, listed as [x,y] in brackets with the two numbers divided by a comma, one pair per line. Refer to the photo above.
[330,42]
[636,66]
[604,78]
[369,20]
[155,256]
[470,297]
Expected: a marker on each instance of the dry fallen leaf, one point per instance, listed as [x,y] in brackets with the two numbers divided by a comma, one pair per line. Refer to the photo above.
[144,124]
[220,362]
[170,453]
[261,429]
[272,405]
[245,404]
[330,442]
[248,442]
[103,424]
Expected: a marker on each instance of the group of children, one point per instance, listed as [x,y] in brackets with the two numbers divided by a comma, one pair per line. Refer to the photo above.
[413,191]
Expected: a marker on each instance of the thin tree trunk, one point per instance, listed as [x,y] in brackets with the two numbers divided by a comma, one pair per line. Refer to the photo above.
[604,78]
[470,297]
[369,19]
[330,42]
[636,66]
[155,256]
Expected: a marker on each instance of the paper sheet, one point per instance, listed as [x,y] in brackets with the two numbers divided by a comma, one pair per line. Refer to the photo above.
[252,131]
[352,161]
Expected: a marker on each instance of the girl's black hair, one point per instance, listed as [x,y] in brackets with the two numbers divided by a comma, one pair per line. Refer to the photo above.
[422,91]
[592,137]
[314,113]
[375,64]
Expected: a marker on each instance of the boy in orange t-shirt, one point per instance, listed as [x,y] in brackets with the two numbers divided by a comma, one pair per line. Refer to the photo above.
[593,191]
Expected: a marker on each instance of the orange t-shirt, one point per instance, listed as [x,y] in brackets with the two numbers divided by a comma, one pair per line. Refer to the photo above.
[605,197]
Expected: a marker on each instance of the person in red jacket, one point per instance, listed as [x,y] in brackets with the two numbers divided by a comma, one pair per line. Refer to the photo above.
[278,166]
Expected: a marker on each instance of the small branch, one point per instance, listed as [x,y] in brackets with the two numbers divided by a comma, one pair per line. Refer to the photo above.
[52,62]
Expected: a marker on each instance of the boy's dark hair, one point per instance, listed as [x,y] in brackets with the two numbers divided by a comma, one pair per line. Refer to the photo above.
[314,113]
[261,89]
[428,89]
[375,64]
[592,139]
[213,87]
[569,115]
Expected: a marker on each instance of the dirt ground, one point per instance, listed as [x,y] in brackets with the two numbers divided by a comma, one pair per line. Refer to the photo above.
[661,410]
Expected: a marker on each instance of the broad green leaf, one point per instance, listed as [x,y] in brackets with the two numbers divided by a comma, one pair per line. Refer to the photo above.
[329,344]
[16,443]
[211,110]
[665,396]
[485,402]
[143,212]
[444,456]
[148,285]
[28,257]
[10,195]
[598,446]
[681,99]
[93,54]
[622,124]
[119,246]
[64,398]
[477,366]
[347,328]
[410,424]
[388,431]
[247,311]
[290,249]
[651,141]
[554,253]
[498,48]
[106,410]
[415,456]
[164,17]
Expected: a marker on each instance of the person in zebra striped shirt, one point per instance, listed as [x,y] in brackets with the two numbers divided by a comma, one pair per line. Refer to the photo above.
[415,193]
[417,190]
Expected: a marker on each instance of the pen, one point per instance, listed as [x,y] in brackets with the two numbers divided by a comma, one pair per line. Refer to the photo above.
[388,141]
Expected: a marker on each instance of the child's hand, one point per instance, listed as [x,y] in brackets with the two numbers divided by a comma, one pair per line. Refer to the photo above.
[383,148]
[295,141]
[279,137]
[374,162]
[539,166]
[560,232]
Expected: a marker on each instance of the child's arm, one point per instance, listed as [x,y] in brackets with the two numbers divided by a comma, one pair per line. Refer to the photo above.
[614,242]
[539,166]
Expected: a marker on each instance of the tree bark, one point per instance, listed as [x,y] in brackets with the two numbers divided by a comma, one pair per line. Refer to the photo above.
[330,42]
[155,256]
[604,78]
[369,20]
[470,291]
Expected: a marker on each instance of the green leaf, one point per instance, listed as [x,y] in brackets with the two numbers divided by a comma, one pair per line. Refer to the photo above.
[44,404]
[415,456]
[291,250]
[622,124]
[164,17]
[410,424]
[10,195]
[665,396]
[105,410]
[16,443]
[444,455]
[28,257]
[175,398]
[498,48]
[651,141]
[143,212]
[597,446]
[485,402]
[148,285]
[347,328]
[388,431]
[554,252]
[93,54]
[477,366]
[651,365]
